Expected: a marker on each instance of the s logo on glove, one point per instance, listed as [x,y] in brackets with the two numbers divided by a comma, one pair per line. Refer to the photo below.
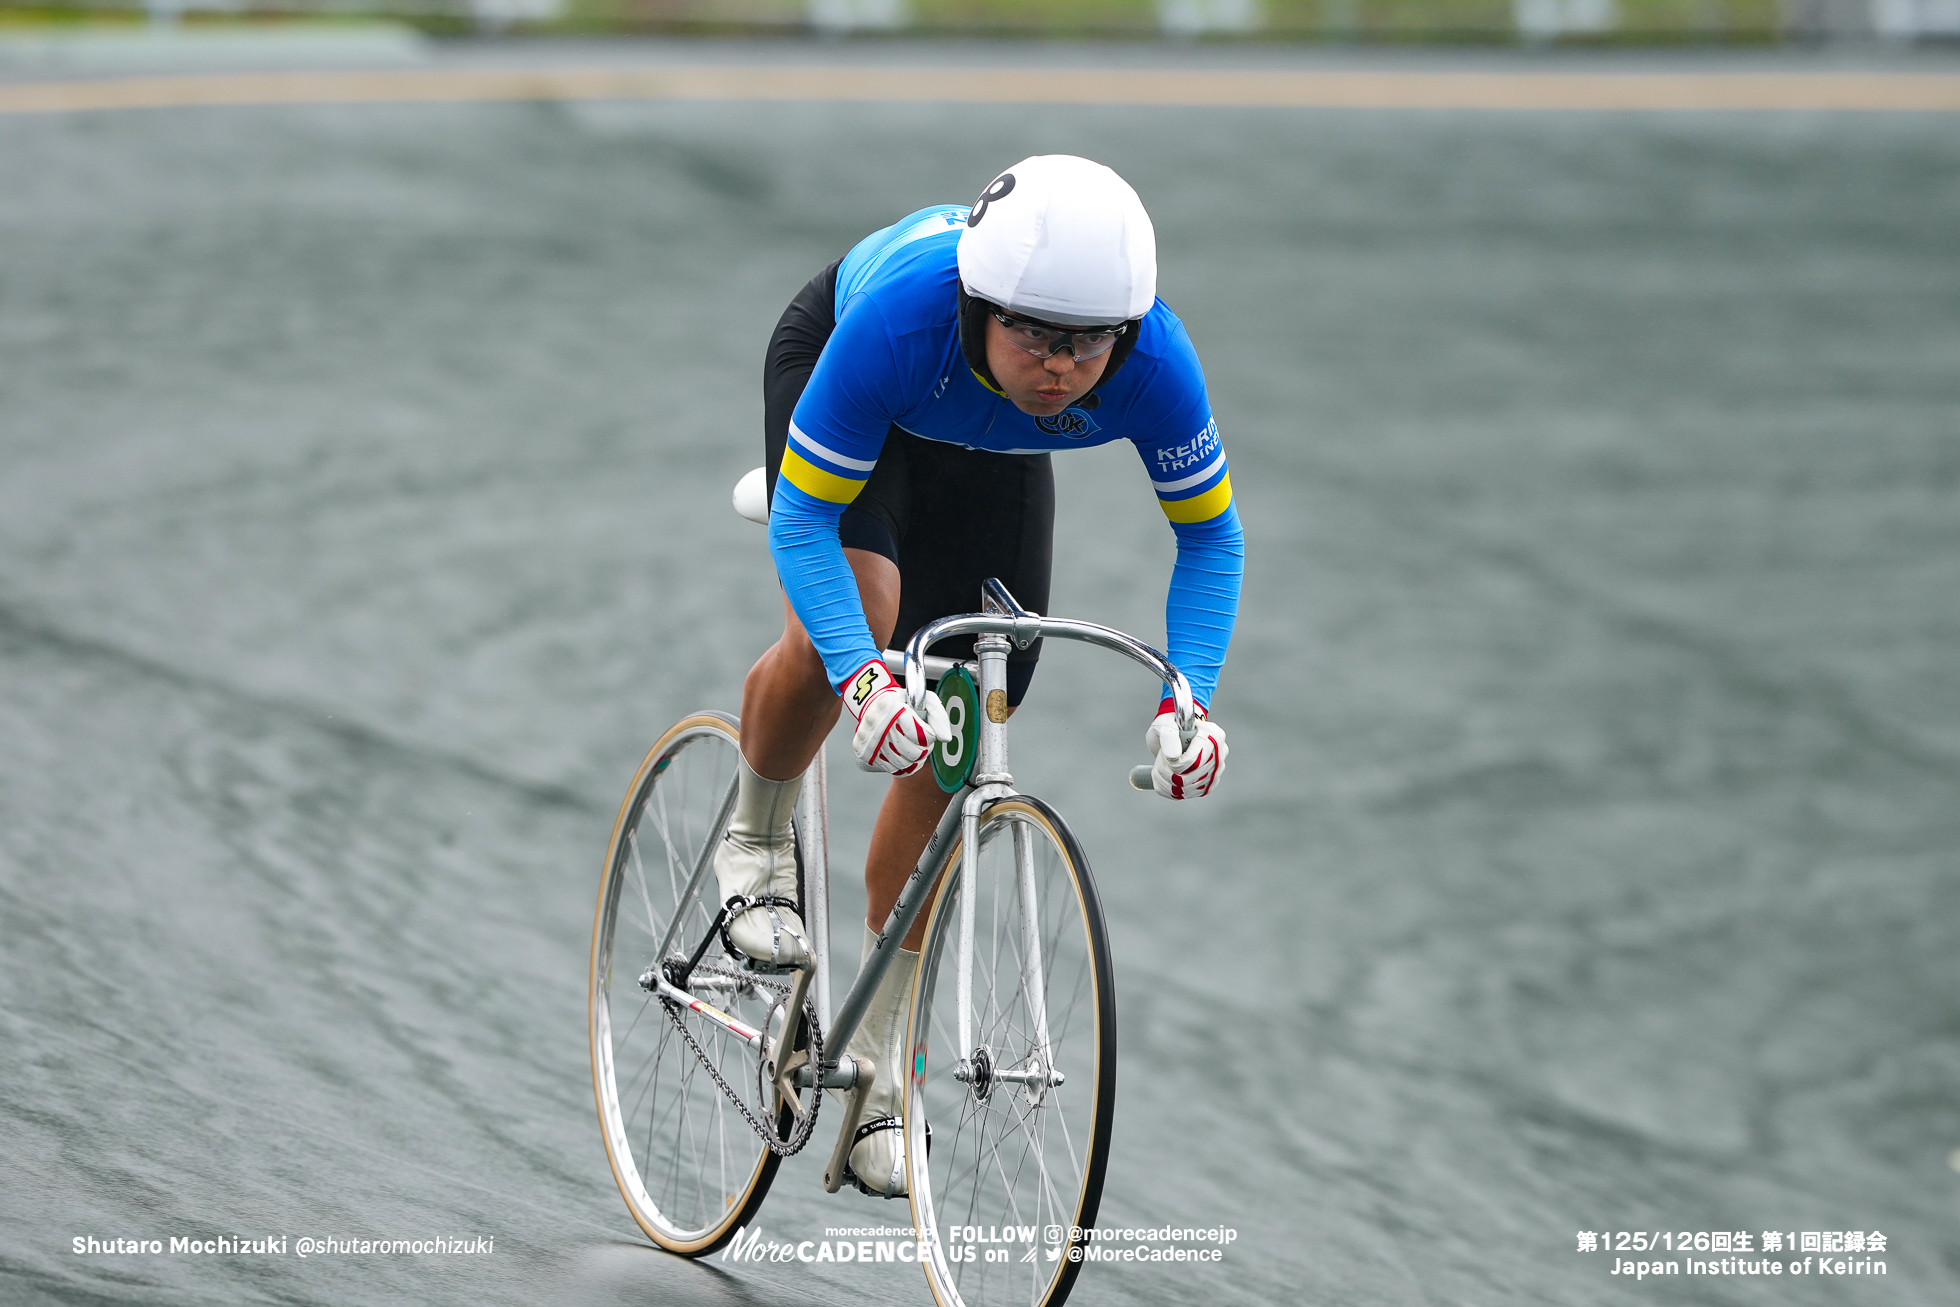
[890,736]
[1185,771]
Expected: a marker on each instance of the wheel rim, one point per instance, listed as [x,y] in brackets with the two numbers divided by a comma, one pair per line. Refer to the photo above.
[1004,1154]
[690,1168]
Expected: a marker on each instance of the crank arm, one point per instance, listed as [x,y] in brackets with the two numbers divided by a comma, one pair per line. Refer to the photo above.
[840,1156]
[782,1060]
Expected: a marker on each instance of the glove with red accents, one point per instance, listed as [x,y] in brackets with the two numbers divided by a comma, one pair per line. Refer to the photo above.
[890,736]
[1184,771]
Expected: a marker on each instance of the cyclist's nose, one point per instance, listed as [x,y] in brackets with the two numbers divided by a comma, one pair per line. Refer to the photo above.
[1061,362]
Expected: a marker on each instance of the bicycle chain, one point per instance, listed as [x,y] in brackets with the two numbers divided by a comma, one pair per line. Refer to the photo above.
[799,1135]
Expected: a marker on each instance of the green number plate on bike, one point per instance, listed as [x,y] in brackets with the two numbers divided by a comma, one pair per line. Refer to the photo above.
[953,760]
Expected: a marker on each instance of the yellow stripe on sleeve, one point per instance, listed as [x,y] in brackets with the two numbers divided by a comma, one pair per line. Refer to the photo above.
[1201,508]
[817,483]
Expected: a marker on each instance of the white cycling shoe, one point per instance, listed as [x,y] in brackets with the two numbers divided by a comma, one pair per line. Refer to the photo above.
[757,859]
[878,1155]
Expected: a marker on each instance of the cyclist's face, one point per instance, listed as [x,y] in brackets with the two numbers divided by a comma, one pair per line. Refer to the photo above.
[1039,387]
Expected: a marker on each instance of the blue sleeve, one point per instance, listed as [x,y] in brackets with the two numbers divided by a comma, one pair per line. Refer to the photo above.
[1203,603]
[835,437]
[1194,488]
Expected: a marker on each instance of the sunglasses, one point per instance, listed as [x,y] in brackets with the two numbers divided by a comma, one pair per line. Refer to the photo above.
[1044,341]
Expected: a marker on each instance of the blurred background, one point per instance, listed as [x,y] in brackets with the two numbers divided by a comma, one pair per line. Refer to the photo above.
[1485,22]
[1587,858]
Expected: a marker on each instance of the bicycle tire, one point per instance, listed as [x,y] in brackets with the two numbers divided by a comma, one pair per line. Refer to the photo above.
[1023,1157]
[691,1169]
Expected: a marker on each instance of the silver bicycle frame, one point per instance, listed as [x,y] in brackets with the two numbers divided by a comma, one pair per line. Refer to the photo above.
[1001,626]
[813,826]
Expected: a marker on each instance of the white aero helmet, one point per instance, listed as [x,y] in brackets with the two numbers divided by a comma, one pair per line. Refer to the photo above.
[1063,240]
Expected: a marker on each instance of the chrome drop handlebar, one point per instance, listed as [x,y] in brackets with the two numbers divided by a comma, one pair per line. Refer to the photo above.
[1024,630]
[1004,616]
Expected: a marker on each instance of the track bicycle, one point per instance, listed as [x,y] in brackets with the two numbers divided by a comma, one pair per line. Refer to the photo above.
[709,1068]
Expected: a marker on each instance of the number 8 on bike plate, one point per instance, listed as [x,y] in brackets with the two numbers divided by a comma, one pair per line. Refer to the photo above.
[952,760]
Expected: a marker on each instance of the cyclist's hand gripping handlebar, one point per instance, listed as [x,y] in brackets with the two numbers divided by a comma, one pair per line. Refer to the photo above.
[892,735]
[1003,616]
[1190,757]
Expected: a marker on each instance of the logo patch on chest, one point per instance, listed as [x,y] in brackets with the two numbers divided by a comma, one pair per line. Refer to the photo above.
[1070,422]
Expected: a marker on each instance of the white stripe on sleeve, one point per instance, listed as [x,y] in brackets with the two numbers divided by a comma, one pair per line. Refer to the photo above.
[856,464]
[1184,483]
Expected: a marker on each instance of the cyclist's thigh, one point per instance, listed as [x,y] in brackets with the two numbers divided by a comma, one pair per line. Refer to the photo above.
[973,515]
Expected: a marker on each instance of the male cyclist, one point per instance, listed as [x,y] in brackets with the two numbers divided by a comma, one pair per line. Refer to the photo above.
[913,392]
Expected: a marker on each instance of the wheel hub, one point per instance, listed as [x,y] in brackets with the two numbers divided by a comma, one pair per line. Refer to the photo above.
[977,1073]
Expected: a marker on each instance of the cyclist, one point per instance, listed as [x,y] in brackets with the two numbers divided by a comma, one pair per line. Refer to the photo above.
[913,392]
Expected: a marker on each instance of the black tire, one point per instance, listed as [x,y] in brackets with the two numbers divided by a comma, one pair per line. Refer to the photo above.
[998,1142]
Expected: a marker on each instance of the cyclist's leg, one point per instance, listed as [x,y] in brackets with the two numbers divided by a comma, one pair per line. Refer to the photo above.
[978,515]
[906,820]
[788,708]
[787,702]
[970,515]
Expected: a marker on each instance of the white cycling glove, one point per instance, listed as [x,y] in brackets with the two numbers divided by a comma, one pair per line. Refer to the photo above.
[890,736]
[1184,771]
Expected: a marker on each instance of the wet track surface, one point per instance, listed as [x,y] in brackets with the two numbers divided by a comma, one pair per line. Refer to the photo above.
[1587,858]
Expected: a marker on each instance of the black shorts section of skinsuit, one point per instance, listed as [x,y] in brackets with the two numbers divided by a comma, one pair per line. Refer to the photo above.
[948,517]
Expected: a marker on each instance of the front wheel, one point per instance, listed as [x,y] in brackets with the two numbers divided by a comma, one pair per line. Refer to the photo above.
[1012,1076]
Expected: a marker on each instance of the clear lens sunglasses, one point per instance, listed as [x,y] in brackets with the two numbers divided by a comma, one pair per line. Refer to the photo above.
[1044,341]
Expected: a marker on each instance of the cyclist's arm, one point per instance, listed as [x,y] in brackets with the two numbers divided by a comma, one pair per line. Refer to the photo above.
[1187,468]
[835,436]
[1203,601]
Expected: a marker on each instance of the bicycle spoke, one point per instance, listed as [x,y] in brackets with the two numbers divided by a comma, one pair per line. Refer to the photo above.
[1014,1152]
[691,1166]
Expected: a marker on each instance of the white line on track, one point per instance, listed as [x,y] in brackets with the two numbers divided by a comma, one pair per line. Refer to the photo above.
[1602,91]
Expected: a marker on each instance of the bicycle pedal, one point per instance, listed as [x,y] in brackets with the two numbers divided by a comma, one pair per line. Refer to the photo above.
[863,1188]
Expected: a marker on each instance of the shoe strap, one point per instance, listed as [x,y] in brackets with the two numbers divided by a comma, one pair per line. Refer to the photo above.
[873,1126]
[738,904]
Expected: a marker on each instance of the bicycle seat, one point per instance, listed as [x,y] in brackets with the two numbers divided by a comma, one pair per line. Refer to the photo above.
[752,496]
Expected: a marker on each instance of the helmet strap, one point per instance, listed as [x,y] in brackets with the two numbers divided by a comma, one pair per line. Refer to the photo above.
[973,339]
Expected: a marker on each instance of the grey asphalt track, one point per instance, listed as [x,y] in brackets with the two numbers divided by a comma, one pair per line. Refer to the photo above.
[1587,860]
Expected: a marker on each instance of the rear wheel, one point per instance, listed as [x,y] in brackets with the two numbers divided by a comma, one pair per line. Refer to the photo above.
[690,1166]
[1012,1078]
